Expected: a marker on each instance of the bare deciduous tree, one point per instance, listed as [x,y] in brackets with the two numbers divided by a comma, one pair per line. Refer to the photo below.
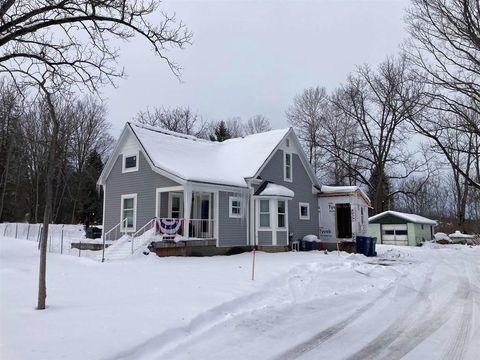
[70,39]
[445,48]
[257,124]
[180,119]
[305,115]
[54,45]
[235,127]
[379,103]
[89,133]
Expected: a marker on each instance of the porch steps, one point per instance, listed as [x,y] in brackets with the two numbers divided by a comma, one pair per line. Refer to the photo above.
[122,248]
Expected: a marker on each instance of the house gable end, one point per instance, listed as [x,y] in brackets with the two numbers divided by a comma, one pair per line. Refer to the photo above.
[128,144]
[291,144]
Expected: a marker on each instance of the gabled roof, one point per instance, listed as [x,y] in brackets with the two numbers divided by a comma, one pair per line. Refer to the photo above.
[417,219]
[228,163]
[187,158]
[343,191]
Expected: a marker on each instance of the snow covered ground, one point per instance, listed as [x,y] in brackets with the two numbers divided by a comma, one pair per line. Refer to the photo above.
[411,303]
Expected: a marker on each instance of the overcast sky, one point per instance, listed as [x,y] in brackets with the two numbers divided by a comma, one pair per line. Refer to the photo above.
[253,57]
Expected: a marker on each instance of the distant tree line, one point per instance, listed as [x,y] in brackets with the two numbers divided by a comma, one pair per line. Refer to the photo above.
[82,146]
[184,120]
[407,130]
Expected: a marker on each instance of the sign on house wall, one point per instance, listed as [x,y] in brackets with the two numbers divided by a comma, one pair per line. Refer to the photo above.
[327,216]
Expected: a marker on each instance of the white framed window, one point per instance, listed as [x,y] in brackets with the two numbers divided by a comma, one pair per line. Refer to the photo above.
[304,211]
[130,162]
[287,167]
[264,213]
[128,212]
[235,206]
[175,205]
[287,142]
[281,214]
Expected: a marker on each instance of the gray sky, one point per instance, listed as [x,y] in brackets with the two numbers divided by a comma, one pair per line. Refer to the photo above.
[253,57]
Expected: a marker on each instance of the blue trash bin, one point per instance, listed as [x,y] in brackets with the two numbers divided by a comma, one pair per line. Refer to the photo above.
[363,245]
[372,250]
[310,245]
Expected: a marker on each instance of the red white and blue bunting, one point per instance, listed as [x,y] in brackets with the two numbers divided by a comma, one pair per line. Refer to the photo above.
[167,226]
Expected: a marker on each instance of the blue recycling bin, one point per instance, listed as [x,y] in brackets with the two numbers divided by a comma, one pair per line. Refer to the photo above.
[309,245]
[372,250]
[363,245]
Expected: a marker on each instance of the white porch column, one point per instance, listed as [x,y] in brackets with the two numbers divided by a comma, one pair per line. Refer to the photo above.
[187,208]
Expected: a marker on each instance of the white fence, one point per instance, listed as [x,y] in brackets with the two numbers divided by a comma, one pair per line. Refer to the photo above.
[60,237]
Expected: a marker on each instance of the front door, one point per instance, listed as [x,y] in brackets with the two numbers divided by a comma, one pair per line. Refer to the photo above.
[202,214]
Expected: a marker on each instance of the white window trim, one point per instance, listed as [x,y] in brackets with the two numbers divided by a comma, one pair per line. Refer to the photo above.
[285,166]
[273,212]
[269,214]
[231,199]
[300,204]
[122,227]
[284,214]
[170,195]
[124,157]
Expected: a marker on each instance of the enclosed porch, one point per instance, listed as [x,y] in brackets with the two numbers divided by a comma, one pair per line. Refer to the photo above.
[186,212]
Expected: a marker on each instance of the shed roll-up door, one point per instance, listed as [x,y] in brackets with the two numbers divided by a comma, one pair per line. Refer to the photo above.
[394,234]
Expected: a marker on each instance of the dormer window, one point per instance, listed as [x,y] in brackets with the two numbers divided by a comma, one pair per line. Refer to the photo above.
[287,164]
[130,162]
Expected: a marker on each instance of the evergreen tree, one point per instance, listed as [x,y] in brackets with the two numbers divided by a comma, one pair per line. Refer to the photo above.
[91,200]
[221,132]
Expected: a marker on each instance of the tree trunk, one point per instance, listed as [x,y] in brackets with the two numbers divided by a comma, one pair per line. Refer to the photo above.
[5,182]
[52,157]
[42,283]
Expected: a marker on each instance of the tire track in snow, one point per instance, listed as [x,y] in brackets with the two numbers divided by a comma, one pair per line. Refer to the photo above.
[407,333]
[457,345]
[219,314]
[326,334]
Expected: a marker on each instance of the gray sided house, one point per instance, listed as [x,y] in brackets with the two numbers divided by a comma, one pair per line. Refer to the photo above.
[256,190]
[397,228]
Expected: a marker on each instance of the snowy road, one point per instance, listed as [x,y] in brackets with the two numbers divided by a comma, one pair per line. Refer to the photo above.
[428,311]
[408,303]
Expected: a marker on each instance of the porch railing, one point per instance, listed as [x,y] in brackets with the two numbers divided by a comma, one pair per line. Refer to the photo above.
[113,232]
[141,235]
[197,228]
[201,228]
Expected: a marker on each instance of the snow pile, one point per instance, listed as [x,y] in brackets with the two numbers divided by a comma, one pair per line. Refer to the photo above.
[301,305]
[310,238]
[459,235]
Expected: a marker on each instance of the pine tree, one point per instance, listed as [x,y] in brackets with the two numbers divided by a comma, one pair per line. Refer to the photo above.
[91,201]
[221,132]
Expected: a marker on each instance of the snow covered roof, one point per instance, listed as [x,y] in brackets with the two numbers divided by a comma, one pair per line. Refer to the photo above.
[336,189]
[276,190]
[417,219]
[459,235]
[343,190]
[193,159]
